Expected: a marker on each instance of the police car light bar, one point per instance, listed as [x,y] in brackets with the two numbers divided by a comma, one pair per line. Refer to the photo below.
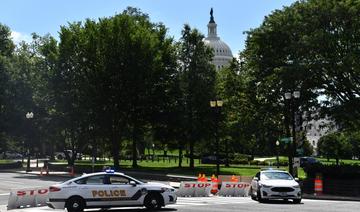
[110,171]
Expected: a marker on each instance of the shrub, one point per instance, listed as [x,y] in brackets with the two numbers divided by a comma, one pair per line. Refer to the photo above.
[238,158]
[239,161]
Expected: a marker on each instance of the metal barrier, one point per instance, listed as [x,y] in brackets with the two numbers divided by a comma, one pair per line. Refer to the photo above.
[26,198]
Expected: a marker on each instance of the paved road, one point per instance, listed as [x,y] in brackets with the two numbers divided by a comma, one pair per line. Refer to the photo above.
[191,204]
[10,181]
[227,204]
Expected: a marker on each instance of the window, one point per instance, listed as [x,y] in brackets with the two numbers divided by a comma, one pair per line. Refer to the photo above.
[94,180]
[115,179]
[275,176]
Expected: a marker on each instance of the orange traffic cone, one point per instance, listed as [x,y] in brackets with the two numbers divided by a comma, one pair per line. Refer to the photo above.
[215,184]
[199,177]
[234,179]
[318,185]
[203,178]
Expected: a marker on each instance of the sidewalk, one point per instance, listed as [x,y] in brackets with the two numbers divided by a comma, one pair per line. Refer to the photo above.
[330,197]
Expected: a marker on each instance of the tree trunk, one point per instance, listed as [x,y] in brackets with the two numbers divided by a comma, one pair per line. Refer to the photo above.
[134,146]
[115,150]
[180,155]
[191,165]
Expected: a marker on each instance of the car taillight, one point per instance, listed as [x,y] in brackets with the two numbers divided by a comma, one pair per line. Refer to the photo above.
[54,189]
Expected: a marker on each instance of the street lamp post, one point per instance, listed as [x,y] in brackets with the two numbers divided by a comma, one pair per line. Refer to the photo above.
[216,105]
[37,157]
[153,150]
[29,116]
[277,153]
[93,148]
[291,97]
[23,152]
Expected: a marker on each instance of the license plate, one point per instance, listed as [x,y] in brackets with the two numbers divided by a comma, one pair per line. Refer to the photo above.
[283,194]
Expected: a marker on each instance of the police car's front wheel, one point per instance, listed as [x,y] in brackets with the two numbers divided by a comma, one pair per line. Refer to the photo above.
[152,201]
[75,204]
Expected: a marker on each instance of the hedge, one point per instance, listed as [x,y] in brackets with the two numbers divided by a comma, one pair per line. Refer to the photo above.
[343,171]
[12,165]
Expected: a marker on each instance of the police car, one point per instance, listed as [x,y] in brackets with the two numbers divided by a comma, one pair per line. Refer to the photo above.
[275,184]
[108,189]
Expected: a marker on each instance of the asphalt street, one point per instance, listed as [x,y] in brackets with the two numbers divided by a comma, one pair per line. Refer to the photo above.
[224,204]
[10,181]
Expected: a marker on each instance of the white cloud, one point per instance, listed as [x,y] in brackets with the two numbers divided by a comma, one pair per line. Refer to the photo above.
[17,37]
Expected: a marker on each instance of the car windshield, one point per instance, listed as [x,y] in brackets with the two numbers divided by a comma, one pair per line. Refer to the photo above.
[276,176]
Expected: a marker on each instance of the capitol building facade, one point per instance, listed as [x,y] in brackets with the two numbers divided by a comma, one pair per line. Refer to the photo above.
[222,52]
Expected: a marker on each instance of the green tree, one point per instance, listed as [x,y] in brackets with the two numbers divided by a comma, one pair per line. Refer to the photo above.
[309,46]
[113,75]
[197,80]
[6,52]
[334,145]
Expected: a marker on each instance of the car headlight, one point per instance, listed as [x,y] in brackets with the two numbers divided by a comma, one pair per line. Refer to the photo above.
[264,186]
[297,186]
[164,189]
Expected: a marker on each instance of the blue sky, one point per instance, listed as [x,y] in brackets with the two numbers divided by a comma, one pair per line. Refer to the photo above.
[233,17]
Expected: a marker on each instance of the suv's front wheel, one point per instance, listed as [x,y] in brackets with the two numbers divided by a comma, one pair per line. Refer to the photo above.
[258,196]
[296,201]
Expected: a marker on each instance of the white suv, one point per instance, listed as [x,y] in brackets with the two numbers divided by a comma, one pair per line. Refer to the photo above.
[275,184]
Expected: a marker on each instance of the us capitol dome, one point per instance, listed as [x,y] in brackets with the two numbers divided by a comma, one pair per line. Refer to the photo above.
[222,52]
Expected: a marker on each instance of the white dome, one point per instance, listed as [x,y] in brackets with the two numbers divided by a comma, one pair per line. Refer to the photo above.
[222,52]
[220,48]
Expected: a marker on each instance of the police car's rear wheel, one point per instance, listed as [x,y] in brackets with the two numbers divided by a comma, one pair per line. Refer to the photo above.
[75,204]
[152,201]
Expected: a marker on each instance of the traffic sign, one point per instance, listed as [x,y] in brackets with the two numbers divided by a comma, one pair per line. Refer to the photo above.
[300,151]
[286,140]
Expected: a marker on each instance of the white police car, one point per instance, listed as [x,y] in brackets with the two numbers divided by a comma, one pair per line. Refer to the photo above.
[275,184]
[108,189]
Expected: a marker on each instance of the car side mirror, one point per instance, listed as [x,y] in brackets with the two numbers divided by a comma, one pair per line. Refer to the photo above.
[256,178]
[133,183]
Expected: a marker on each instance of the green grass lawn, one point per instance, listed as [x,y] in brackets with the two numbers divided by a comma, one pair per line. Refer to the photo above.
[170,167]
[333,161]
[6,161]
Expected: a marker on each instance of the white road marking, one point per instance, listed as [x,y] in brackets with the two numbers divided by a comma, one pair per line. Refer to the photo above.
[13,182]
[5,194]
[201,201]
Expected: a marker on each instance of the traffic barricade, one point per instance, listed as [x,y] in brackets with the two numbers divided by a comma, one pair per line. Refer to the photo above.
[26,198]
[234,189]
[194,189]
